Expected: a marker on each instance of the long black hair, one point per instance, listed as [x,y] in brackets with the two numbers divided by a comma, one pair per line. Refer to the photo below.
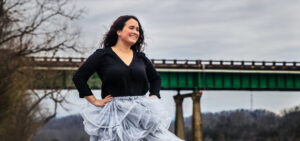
[110,38]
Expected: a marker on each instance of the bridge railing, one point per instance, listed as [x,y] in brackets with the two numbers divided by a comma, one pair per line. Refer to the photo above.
[57,59]
[230,64]
[225,62]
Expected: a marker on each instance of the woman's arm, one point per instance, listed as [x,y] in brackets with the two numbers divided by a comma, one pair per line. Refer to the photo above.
[154,78]
[82,75]
[90,98]
[85,71]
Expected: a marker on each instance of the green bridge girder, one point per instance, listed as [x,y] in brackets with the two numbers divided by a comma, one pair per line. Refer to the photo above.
[62,79]
[57,72]
[229,81]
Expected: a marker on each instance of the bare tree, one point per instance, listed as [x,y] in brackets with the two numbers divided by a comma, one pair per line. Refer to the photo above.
[29,27]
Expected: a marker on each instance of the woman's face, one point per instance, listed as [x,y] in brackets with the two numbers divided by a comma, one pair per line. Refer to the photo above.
[130,32]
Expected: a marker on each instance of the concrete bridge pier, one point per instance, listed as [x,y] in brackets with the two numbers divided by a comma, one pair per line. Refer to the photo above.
[197,118]
[179,121]
[197,134]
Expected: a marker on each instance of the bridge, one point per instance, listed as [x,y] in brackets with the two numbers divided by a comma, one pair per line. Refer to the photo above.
[195,75]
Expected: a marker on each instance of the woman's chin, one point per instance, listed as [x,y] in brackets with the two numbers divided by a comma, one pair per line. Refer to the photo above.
[131,43]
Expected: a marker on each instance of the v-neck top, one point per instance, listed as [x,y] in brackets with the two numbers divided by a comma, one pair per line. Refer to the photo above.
[118,78]
[121,59]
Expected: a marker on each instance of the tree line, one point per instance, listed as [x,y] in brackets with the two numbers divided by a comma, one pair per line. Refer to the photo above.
[237,125]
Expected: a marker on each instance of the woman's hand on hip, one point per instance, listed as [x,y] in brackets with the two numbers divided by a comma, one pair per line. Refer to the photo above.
[102,102]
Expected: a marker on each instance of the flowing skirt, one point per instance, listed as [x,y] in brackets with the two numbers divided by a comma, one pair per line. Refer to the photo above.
[128,118]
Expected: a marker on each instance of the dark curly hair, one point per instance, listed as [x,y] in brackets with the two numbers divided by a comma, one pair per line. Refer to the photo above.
[111,37]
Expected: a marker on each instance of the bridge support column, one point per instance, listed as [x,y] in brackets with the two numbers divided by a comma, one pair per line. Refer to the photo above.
[197,119]
[179,121]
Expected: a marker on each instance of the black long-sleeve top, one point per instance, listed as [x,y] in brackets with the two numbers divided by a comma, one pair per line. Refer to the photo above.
[118,79]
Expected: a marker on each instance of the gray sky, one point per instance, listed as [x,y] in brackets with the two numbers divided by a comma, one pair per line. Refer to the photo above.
[267,30]
[206,29]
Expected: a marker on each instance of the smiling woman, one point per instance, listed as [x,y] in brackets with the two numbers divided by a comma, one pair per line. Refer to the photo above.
[124,113]
[130,33]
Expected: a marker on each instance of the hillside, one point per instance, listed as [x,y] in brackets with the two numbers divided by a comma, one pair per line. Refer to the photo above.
[238,125]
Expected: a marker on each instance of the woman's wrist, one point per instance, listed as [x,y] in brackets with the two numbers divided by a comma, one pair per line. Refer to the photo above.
[91,99]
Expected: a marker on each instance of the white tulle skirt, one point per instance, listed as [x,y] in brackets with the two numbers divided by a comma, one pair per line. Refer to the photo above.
[128,118]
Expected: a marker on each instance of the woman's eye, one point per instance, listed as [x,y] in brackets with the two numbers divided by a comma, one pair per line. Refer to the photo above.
[132,27]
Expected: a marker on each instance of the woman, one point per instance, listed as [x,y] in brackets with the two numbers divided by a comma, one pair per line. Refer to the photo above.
[124,113]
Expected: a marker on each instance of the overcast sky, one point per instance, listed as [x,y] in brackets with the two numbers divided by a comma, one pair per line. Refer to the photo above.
[267,30]
[205,29]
